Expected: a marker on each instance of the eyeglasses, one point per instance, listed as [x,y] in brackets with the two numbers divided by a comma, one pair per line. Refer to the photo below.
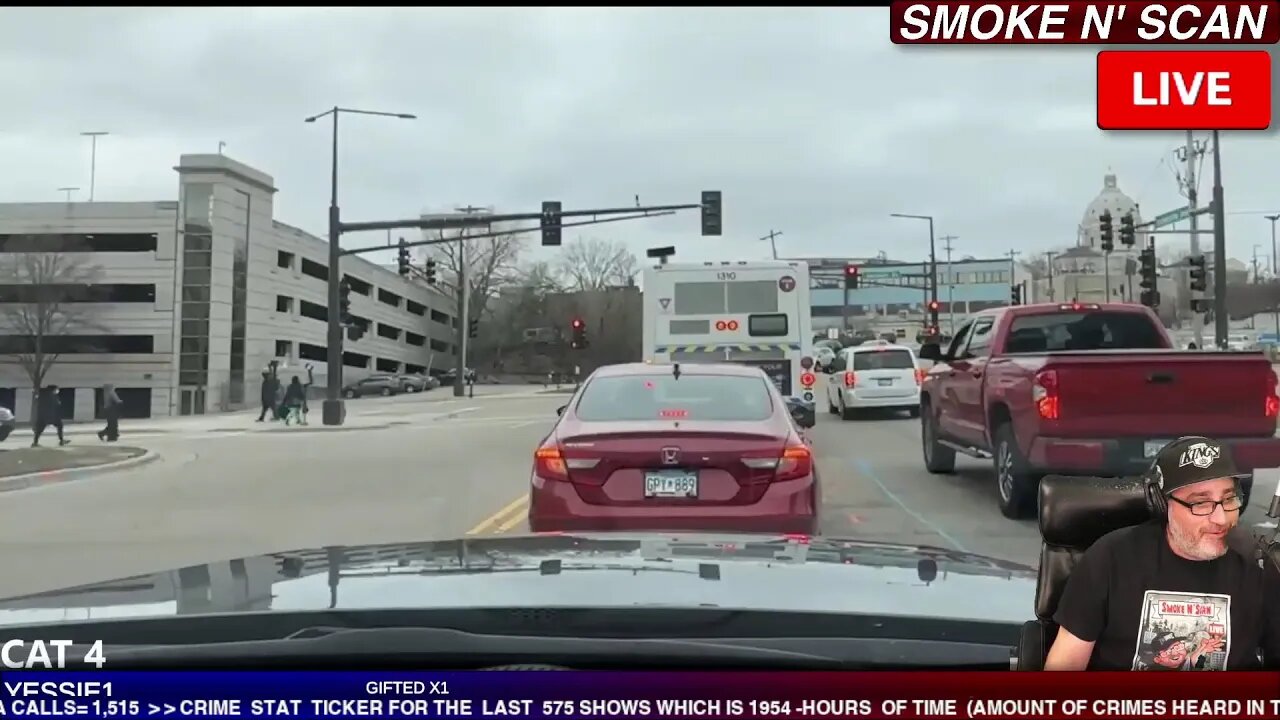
[1206,507]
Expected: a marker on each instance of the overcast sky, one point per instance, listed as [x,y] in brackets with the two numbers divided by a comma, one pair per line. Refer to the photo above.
[810,121]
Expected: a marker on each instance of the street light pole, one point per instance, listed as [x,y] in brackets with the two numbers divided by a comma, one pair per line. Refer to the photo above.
[333,410]
[68,191]
[93,158]
[1220,325]
[933,264]
[1275,270]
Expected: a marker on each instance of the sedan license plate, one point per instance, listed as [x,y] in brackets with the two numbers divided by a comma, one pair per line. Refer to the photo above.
[1152,447]
[671,485]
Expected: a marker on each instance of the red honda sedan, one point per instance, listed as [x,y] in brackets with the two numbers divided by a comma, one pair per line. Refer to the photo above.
[675,447]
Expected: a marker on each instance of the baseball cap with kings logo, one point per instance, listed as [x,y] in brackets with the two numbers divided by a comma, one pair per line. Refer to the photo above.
[1190,460]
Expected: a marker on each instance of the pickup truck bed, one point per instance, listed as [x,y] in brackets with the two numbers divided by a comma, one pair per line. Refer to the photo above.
[1095,412]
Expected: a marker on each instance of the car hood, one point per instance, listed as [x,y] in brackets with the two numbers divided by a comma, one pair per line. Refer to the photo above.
[608,570]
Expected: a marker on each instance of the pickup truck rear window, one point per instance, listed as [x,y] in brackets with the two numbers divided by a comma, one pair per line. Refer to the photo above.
[1087,330]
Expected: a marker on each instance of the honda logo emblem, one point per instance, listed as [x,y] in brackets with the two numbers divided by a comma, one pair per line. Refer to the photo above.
[670,455]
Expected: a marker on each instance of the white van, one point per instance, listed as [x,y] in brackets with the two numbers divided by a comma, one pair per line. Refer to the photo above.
[878,374]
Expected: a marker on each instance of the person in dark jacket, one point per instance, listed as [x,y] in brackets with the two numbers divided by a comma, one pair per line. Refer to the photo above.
[48,412]
[270,386]
[111,410]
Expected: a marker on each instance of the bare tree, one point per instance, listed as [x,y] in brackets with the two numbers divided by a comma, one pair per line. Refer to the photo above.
[46,285]
[491,263]
[1037,267]
[595,264]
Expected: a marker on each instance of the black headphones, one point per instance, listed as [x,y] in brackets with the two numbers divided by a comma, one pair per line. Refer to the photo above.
[1152,479]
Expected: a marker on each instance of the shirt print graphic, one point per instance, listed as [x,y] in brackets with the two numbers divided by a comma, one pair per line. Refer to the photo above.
[1183,631]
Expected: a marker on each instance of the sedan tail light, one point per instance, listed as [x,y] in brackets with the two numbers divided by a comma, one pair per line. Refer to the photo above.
[549,463]
[794,462]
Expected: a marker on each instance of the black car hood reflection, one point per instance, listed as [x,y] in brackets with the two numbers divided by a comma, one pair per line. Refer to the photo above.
[607,570]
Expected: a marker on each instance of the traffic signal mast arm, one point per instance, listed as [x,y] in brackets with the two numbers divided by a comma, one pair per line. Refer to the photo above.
[632,213]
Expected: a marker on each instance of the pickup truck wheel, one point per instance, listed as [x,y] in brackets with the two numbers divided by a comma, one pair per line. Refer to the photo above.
[938,458]
[1017,488]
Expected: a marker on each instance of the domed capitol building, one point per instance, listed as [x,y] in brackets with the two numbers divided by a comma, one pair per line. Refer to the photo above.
[1084,272]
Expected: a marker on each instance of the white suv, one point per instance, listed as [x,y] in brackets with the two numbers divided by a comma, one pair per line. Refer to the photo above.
[877,374]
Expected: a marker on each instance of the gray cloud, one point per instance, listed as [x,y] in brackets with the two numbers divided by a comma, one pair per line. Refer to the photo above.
[810,121]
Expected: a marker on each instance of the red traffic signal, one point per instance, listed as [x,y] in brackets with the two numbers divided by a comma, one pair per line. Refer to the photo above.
[851,270]
[933,306]
[577,323]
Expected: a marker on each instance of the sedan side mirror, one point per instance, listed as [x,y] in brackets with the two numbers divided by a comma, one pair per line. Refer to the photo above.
[930,351]
[560,410]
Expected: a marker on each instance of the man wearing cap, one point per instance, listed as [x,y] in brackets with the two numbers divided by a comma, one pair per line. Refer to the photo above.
[1171,593]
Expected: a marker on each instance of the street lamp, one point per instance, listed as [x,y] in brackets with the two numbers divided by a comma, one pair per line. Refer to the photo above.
[333,411]
[1275,270]
[93,157]
[933,260]
[68,191]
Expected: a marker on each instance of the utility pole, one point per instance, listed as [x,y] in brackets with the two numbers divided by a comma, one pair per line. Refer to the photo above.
[1191,155]
[1048,257]
[464,307]
[1013,267]
[1219,250]
[951,284]
[773,243]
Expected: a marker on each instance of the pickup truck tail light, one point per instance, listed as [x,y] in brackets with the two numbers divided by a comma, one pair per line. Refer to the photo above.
[1271,403]
[850,379]
[1045,394]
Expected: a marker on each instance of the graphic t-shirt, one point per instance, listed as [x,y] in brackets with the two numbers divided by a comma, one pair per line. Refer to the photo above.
[1146,608]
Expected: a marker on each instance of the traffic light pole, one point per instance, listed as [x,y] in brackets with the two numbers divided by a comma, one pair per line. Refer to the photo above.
[1220,325]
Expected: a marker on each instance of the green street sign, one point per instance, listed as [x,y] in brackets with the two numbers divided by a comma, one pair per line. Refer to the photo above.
[1171,217]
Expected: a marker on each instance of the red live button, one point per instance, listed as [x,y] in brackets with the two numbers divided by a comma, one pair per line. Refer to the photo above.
[1184,90]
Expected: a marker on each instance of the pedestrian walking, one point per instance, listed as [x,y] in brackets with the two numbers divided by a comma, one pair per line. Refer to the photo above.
[48,412]
[111,406]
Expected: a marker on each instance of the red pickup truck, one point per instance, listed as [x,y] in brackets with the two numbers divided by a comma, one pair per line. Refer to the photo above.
[1086,389]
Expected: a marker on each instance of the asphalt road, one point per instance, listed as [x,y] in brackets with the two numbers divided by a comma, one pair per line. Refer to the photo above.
[455,467]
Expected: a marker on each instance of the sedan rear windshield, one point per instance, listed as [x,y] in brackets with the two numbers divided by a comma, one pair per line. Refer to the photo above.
[883,360]
[665,397]
[1097,330]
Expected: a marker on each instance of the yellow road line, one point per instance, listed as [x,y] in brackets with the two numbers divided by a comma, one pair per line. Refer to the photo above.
[514,507]
[514,520]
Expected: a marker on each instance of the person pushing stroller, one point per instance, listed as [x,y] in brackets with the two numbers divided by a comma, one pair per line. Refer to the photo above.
[295,399]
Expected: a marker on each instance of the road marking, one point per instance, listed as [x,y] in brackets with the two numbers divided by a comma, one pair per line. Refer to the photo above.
[865,468]
[516,517]
[515,506]
[454,413]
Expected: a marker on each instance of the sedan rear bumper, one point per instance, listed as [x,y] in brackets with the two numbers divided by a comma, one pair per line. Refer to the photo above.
[785,507]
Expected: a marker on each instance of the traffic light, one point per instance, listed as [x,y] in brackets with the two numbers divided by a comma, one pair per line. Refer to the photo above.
[851,277]
[550,223]
[579,334]
[933,307]
[344,302]
[430,271]
[404,258]
[1015,295]
[1105,231]
[1199,273]
[1127,235]
[711,220]
[1147,270]
[472,329]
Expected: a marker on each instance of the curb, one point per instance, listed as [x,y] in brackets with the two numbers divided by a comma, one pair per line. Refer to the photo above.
[331,428]
[51,477]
